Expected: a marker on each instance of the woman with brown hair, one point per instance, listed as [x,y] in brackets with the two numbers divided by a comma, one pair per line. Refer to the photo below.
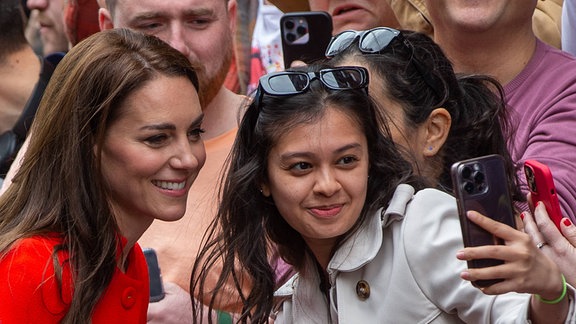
[116,144]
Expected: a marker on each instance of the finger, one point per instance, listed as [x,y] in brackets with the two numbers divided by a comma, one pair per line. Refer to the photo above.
[530,202]
[499,252]
[550,233]
[489,273]
[517,252]
[500,230]
[297,63]
[530,226]
[568,230]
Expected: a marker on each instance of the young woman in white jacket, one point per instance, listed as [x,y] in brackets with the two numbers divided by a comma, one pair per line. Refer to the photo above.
[313,177]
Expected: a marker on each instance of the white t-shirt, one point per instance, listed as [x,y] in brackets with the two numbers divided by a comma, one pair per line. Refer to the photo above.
[569,26]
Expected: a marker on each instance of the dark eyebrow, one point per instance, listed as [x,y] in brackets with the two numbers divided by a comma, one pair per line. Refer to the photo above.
[163,126]
[344,148]
[159,14]
[169,126]
[350,146]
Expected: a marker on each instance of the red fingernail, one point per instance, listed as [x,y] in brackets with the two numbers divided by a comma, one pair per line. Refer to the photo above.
[567,222]
[522,216]
[537,204]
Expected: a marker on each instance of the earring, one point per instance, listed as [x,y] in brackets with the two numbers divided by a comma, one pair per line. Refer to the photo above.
[430,148]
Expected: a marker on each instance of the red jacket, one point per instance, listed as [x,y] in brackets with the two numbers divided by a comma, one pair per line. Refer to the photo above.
[28,291]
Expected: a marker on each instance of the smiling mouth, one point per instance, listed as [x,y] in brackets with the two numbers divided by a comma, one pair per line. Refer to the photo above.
[327,211]
[167,185]
[341,11]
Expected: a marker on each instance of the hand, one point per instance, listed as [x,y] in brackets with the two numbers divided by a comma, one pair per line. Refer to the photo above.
[175,307]
[560,248]
[526,268]
[297,63]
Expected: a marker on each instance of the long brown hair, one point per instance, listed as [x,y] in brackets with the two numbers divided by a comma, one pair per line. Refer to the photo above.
[59,187]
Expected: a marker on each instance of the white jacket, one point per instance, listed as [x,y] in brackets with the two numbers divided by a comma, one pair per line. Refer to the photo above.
[405,257]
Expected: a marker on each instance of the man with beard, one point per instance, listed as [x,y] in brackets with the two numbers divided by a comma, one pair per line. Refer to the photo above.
[50,20]
[202,30]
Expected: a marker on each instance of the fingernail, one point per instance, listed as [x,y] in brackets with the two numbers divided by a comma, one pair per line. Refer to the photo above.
[567,222]
[522,216]
[537,204]
[460,255]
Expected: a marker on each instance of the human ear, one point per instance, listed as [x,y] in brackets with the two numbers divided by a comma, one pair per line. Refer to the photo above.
[437,129]
[232,12]
[265,190]
[105,19]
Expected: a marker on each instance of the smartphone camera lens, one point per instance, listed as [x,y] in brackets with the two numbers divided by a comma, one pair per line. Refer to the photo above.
[466,172]
[290,37]
[469,187]
[478,177]
[289,24]
[301,30]
[530,178]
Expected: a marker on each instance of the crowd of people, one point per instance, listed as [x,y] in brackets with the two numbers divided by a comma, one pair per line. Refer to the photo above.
[320,193]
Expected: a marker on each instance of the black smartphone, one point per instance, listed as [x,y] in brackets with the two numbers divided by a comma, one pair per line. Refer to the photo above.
[305,36]
[480,184]
[156,286]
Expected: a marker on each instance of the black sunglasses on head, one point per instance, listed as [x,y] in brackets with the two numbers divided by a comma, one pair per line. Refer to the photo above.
[288,83]
[294,82]
[375,41]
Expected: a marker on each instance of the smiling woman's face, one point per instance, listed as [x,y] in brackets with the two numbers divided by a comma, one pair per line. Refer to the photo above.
[318,177]
[153,152]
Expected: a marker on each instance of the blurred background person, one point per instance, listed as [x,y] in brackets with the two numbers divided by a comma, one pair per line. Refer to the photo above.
[50,22]
[497,38]
[411,15]
[19,65]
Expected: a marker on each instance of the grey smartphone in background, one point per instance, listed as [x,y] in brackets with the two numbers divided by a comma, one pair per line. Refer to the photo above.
[305,36]
[156,286]
[480,184]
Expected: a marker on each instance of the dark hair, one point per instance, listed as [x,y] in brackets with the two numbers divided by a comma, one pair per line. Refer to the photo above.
[475,102]
[12,25]
[247,222]
[59,187]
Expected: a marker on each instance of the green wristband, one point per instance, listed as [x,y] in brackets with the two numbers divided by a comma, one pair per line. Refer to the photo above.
[557,300]
[223,317]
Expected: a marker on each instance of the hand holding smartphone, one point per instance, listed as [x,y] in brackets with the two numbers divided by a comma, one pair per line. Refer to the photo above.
[541,185]
[480,184]
[305,36]
[156,286]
